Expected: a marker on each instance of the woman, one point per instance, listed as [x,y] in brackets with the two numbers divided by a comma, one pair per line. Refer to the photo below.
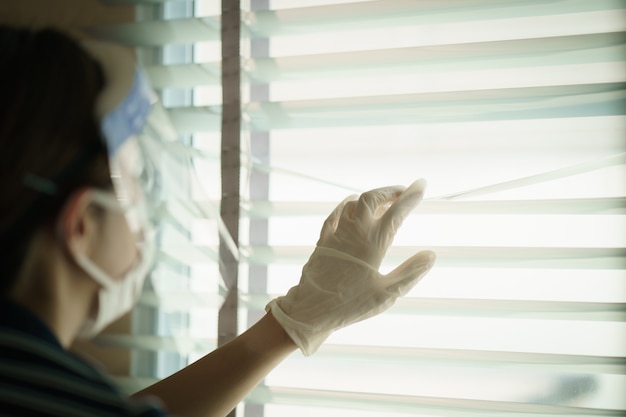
[76,238]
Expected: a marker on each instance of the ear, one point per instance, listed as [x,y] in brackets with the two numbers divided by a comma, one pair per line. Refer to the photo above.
[75,224]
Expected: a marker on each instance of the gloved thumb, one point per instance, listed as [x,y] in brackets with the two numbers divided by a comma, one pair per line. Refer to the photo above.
[402,279]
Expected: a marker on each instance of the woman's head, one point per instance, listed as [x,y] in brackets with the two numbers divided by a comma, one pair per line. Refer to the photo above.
[50,140]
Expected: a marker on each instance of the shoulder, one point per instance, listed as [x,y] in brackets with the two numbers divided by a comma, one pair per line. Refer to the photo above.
[39,379]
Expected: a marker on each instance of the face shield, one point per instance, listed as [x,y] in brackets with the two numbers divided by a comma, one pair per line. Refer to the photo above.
[147,162]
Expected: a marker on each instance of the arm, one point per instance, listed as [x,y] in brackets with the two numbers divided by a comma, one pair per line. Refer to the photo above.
[215,384]
[340,285]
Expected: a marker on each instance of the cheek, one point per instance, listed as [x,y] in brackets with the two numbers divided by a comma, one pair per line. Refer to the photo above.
[118,249]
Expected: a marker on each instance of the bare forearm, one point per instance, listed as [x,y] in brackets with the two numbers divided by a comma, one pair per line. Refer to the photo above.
[215,384]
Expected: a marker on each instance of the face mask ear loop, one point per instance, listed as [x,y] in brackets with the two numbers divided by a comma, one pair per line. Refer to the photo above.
[94,271]
[86,264]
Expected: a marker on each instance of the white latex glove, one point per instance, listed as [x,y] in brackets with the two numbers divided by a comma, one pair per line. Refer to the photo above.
[340,283]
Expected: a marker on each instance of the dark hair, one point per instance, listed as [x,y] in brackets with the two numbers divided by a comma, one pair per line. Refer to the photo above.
[50,141]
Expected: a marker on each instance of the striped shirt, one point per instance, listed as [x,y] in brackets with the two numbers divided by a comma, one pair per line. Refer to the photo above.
[40,378]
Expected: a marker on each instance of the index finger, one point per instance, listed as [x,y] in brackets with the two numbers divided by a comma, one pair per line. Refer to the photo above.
[372,200]
[330,224]
[400,209]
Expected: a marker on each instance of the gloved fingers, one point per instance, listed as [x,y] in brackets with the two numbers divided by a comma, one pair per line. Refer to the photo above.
[393,218]
[372,200]
[348,209]
[402,279]
[330,224]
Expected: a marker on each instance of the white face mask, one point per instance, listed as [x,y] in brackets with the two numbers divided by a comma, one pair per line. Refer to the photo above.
[116,297]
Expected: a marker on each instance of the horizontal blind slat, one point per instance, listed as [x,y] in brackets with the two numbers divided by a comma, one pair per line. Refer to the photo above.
[480,105]
[547,53]
[450,407]
[433,357]
[184,75]
[161,32]
[187,253]
[583,206]
[439,356]
[447,256]
[192,120]
[541,52]
[365,15]
[170,300]
[478,358]
[521,309]
[540,310]
[183,344]
[515,309]
[391,13]
[468,256]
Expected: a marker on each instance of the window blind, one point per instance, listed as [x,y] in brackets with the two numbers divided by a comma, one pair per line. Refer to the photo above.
[514,111]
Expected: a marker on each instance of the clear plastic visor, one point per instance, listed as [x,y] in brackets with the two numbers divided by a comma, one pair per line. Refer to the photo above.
[150,169]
